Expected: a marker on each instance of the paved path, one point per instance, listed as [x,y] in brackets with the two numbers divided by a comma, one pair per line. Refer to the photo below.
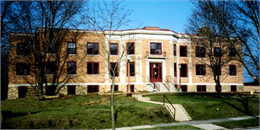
[201,123]
[181,114]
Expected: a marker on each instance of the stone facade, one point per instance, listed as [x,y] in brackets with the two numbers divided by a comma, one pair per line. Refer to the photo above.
[164,40]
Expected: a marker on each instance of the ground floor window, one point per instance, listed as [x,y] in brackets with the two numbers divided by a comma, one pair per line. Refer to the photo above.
[219,88]
[50,90]
[93,88]
[132,88]
[184,88]
[71,90]
[22,91]
[233,88]
[201,88]
[115,88]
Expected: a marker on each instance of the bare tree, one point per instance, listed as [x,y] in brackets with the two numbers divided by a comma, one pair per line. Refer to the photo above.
[42,31]
[210,43]
[238,19]
[106,19]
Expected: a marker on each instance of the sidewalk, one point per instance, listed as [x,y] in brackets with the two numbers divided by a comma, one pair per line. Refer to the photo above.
[202,124]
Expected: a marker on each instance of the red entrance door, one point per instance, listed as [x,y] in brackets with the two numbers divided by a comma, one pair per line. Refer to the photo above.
[155,72]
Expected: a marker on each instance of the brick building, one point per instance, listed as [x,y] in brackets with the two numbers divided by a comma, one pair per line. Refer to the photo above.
[156,55]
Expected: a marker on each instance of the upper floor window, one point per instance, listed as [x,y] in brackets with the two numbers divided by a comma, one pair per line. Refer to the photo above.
[114,69]
[184,71]
[232,52]
[22,69]
[132,69]
[232,70]
[50,47]
[23,49]
[93,68]
[200,70]
[155,48]
[130,48]
[200,52]
[93,48]
[183,51]
[50,68]
[174,49]
[71,48]
[217,51]
[71,68]
[113,48]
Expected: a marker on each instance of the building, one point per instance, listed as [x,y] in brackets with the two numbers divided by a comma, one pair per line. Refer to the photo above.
[161,60]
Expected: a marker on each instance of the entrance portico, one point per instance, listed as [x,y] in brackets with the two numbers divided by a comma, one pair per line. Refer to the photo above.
[156,70]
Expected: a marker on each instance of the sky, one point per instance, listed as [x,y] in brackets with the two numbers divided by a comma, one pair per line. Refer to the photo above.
[166,14]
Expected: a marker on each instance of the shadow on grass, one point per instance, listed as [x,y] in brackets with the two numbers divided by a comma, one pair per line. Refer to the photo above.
[244,100]
[121,108]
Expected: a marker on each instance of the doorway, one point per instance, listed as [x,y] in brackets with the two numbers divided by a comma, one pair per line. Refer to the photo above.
[155,72]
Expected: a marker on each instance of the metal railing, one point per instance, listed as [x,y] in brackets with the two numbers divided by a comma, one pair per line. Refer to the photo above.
[167,86]
[172,81]
[163,54]
[170,104]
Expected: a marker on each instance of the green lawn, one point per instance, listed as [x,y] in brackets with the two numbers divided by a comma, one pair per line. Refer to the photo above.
[209,106]
[80,112]
[240,123]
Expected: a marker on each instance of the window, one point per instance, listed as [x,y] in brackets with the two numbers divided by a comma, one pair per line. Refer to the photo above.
[93,68]
[23,49]
[184,70]
[216,88]
[132,88]
[183,51]
[71,90]
[71,68]
[200,70]
[232,52]
[113,48]
[175,70]
[71,48]
[200,52]
[93,48]
[233,88]
[174,50]
[184,88]
[50,68]
[22,91]
[155,48]
[130,48]
[22,69]
[201,88]
[217,51]
[132,69]
[50,47]
[217,69]
[115,88]
[50,90]
[114,69]
[232,70]
[93,88]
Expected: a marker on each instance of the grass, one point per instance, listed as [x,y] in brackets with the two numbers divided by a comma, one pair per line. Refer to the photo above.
[240,123]
[80,112]
[209,106]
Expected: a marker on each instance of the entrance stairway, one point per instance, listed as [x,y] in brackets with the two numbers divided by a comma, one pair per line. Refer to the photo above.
[181,114]
[167,85]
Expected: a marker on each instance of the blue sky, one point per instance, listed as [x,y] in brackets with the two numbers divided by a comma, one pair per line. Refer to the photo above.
[166,14]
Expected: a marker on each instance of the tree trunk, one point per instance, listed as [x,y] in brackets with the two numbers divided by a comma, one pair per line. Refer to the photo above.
[112,105]
[40,84]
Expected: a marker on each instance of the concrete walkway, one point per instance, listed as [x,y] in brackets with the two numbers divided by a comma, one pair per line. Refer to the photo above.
[180,115]
[203,124]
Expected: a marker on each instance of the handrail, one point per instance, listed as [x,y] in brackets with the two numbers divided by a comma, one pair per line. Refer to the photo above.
[173,82]
[170,103]
[167,86]
[156,85]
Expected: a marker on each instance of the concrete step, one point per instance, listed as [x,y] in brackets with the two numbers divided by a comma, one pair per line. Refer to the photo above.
[181,114]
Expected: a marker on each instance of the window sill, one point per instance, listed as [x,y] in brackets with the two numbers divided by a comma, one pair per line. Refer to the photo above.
[200,75]
[93,74]
[200,57]
[49,74]
[183,57]
[184,77]
[92,54]
[72,54]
